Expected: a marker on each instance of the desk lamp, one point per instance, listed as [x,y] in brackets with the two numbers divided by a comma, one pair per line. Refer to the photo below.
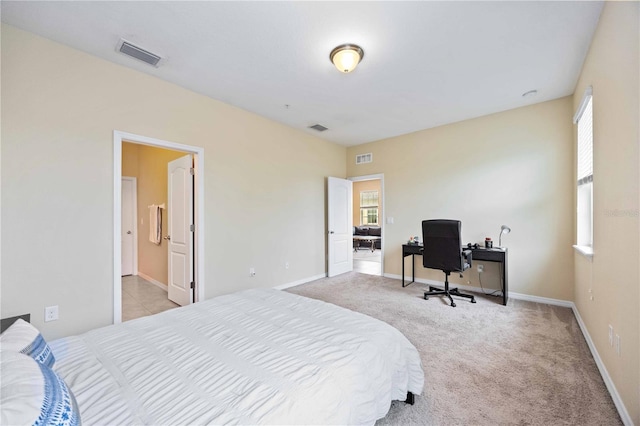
[503,230]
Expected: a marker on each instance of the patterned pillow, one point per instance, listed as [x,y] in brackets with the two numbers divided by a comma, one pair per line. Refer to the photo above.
[24,338]
[32,393]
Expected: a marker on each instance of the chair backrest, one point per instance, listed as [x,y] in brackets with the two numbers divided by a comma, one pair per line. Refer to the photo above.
[442,245]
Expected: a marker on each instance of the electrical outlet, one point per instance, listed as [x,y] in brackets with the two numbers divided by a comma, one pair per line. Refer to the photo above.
[252,272]
[480,268]
[618,344]
[610,335]
[286,265]
[50,313]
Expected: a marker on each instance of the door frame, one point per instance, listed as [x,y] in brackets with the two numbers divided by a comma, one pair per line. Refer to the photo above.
[135,221]
[383,219]
[198,163]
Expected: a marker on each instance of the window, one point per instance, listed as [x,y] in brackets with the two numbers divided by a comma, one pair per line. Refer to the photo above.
[368,207]
[584,121]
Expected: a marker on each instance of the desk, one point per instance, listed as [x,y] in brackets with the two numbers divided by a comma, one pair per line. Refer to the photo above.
[498,255]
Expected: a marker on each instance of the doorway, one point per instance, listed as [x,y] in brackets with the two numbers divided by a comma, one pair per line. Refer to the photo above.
[164,198]
[123,142]
[129,234]
[368,220]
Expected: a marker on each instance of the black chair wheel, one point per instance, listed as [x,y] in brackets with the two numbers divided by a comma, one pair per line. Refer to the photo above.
[426,297]
[473,300]
[453,305]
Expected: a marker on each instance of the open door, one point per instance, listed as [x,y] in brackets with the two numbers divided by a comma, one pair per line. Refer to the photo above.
[128,228]
[180,230]
[340,222]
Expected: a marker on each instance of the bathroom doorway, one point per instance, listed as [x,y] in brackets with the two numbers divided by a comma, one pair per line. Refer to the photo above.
[156,273]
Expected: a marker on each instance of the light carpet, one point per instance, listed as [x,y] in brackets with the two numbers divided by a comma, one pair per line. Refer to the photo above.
[485,364]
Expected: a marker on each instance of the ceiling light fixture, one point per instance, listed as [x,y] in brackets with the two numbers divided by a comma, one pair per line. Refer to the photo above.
[346,57]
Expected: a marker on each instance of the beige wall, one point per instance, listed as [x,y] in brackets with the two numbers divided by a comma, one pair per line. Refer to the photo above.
[130,160]
[613,70]
[506,168]
[60,107]
[365,185]
[150,167]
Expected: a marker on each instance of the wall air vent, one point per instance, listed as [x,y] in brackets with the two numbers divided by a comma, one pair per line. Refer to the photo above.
[139,53]
[318,127]
[364,158]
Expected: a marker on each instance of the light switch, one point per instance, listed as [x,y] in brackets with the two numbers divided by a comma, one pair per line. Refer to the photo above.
[390,220]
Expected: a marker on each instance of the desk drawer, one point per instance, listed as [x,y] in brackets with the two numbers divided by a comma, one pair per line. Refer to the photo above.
[489,255]
[408,249]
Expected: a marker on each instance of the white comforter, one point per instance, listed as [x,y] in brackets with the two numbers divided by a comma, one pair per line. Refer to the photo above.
[253,357]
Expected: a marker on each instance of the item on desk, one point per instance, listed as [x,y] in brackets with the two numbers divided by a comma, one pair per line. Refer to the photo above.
[413,241]
[488,243]
[503,231]
[473,246]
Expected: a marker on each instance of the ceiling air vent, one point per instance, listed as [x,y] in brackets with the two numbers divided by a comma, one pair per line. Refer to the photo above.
[318,127]
[139,53]
[364,158]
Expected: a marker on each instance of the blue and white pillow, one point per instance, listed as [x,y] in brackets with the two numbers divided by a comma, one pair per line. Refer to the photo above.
[33,394]
[24,338]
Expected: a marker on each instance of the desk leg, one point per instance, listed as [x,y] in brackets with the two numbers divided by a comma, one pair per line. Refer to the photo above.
[403,271]
[505,290]
[413,270]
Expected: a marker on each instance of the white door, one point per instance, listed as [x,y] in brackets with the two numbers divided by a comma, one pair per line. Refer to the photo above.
[128,225]
[179,234]
[340,221]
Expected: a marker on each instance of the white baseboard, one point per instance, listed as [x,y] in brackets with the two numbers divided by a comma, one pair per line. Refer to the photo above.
[622,410]
[154,282]
[441,284]
[539,299]
[418,280]
[512,295]
[302,281]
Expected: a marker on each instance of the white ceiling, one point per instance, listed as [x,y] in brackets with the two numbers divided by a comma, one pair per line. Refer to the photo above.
[425,63]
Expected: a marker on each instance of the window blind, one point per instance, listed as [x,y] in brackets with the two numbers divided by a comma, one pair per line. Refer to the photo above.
[585,144]
[369,199]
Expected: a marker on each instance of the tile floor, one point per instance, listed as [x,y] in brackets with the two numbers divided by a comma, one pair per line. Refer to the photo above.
[367,262]
[141,298]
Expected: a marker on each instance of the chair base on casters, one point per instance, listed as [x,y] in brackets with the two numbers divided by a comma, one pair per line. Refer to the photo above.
[433,291]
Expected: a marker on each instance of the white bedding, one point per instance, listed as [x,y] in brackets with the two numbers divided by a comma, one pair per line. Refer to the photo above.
[253,357]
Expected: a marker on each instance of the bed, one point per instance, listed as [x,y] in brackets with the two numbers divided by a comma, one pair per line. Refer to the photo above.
[252,357]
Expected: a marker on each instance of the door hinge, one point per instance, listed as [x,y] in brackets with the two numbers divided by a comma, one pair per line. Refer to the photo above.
[192,228]
[193,284]
[192,171]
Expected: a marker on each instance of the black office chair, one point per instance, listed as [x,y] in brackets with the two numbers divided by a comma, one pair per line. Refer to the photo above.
[443,251]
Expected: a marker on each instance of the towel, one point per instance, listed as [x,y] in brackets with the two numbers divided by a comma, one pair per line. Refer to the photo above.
[155,224]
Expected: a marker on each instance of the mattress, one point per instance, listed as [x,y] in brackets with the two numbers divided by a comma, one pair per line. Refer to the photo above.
[252,357]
